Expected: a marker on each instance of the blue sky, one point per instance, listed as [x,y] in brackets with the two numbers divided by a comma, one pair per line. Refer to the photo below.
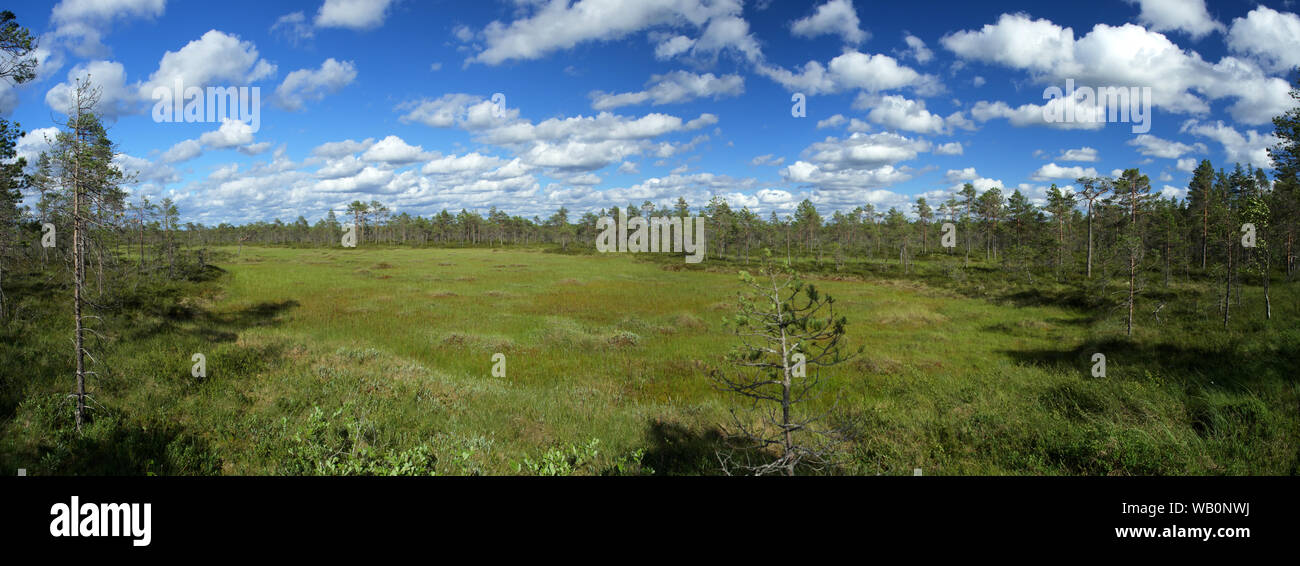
[611,102]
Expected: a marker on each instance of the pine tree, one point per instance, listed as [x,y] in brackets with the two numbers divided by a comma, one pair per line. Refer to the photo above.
[1132,192]
[17,66]
[359,210]
[1093,188]
[968,197]
[989,206]
[924,214]
[1060,204]
[1286,190]
[1199,198]
[81,163]
[786,327]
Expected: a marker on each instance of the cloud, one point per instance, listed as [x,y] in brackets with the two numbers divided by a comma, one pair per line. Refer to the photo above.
[901,113]
[1015,41]
[671,88]
[917,50]
[34,143]
[393,150]
[207,61]
[352,14]
[579,156]
[1153,146]
[826,179]
[951,148]
[663,191]
[368,179]
[897,112]
[182,151]
[727,32]
[1088,117]
[344,166]
[673,46]
[307,84]
[981,184]
[1250,148]
[961,175]
[853,165]
[254,148]
[1125,56]
[1269,37]
[556,26]
[115,97]
[832,122]
[836,17]
[1188,16]
[1084,154]
[81,24]
[341,148]
[852,70]
[572,144]
[865,150]
[469,163]
[104,10]
[143,171]
[601,127]
[294,27]
[456,109]
[1053,171]
[232,133]
[8,98]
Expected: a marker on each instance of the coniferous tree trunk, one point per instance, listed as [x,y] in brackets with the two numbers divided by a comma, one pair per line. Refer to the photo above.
[1227,290]
[78,256]
[1090,239]
[1268,305]
[1132,281]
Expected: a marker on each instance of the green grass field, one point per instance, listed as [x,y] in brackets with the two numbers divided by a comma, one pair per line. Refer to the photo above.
[380,361]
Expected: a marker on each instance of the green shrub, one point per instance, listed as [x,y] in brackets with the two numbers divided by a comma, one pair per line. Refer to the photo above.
[340,445]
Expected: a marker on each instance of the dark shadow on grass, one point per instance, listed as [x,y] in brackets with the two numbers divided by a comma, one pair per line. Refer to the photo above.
[674,449]
[211,326]
[1035,297]
[129,449]
[1201,366]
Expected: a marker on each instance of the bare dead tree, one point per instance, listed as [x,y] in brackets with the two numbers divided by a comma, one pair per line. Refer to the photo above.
[81,162]
[786,326]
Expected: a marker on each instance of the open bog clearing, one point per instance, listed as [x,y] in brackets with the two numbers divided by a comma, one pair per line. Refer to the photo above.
[321,360]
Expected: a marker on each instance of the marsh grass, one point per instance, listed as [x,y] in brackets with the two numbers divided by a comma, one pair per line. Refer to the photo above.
[378,361]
